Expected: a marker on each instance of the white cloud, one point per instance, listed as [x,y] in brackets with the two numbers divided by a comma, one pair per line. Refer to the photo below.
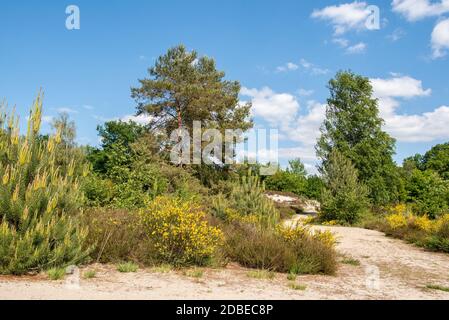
[304,92]
[399,87]
[289,66]
[396,35]
[342,42]
[350,49]
[405,127]
[67,110]
[140,119]
[419,127]
[344,17]
[440,39]
[276,108]
[88,107]
[313,69]
[306,128]
[414,10]
[357,48]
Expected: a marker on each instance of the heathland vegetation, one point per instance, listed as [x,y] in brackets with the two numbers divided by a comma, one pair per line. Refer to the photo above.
[126,202]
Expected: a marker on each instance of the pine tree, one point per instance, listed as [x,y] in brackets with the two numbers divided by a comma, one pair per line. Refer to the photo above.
[248,197]
[37,201]
[344,199]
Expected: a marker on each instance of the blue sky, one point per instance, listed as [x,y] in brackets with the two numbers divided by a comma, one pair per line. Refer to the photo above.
[282,52]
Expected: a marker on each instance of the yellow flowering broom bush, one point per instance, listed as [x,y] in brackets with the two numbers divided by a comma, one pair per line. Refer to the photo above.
[179,232]
[420,230]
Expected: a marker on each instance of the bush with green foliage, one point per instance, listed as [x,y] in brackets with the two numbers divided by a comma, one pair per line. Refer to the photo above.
[436,159]
[314,188]
[130,170]
[38,199]
[428,193]
[344,199]
[293,179]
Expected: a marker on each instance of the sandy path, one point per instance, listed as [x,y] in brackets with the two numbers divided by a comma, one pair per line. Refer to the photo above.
[388,269]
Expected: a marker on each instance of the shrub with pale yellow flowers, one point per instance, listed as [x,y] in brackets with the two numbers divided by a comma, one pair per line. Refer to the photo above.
[179,232]
[38,197]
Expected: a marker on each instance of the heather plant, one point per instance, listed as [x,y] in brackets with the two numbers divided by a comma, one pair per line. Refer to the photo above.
[38,199]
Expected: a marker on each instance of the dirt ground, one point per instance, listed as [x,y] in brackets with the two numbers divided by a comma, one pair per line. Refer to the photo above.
[372,266]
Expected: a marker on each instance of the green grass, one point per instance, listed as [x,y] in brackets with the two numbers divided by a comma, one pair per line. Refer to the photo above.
[163,268]
[56,273]
[260,274]
[437,287]
[194,273]
[127,267]
[291,277]
[295,286]
[89,274]
[351,261]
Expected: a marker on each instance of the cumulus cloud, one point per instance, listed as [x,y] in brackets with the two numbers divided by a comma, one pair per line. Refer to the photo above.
[306,127]
[399,87]
[276,108]
[289,66]
[414,10]
[356,48]
[440,39]
[405,127]
[344,17]
[141,119]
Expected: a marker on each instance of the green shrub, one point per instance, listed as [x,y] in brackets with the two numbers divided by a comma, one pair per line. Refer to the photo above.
[38,199]
[56,273]
[428,193]
[194,273]
[293,179]
[295,286]
[127,267]
[261,274]
[89,274]
[314,188]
